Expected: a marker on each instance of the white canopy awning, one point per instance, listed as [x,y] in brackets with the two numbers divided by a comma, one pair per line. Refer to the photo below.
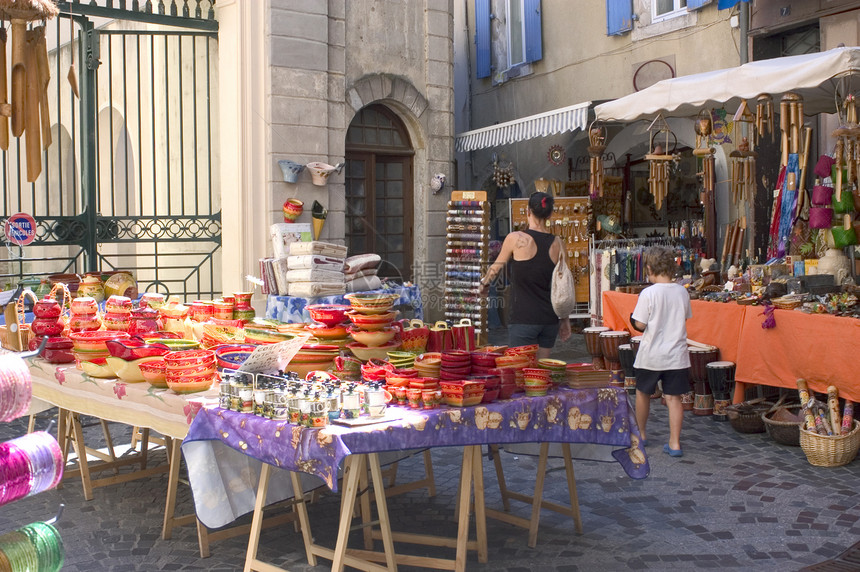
[815,77]
[560,120]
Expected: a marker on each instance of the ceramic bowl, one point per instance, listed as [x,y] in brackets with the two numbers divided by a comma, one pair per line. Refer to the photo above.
[97,367]
[95,341]
[231,356]
[175,344]
[193,385]
[372,303]
[373,338]
[128,371]
[118,305]
[459,400]
[520,350]
[365,353]
[58,349]
[302,369]
[266,336]
[552,364]
[328,314]
[512,361]
[189,359]
[485,359]
[134,348]
[537,390]
[153,372]
[323,332]
[371,321]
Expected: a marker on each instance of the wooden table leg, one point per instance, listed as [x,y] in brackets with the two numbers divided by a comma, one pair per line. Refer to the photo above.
[364,502]
[500,477]
[428,473]
[463,501]
[144,447]
[81,450]
[571,487]
[351,474]
[174,456]
[538,494]
[109,441]
[382,510]
[480,508]
[301,508]
[257,519]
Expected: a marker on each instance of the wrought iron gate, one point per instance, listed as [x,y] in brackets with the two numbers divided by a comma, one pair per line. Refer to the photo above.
[130,180]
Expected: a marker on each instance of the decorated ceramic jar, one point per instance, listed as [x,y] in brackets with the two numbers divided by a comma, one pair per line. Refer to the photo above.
[84,306]
[91,286]
[118,305]
[143,321]
[152,300]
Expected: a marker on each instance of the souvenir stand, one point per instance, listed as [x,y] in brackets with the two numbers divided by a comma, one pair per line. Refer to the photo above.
[569,222]
[467,259]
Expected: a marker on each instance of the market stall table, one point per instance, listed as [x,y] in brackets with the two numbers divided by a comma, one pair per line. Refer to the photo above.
[600,416]
[292,309]
[814,347]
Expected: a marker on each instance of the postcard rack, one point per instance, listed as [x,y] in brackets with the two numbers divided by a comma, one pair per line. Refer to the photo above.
[467,259]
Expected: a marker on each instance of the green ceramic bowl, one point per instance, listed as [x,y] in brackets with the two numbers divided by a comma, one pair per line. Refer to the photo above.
[175,345]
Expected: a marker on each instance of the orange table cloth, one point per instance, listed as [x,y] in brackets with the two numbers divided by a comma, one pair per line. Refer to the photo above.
[818,348]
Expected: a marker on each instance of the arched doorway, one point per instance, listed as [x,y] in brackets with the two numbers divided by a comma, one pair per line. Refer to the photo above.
[379,190]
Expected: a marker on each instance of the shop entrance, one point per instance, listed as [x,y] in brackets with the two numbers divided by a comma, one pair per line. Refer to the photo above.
[127,182]
[379,190]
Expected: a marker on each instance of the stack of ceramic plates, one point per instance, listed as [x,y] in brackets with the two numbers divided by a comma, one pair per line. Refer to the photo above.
[372,303]
[557,369]
[401,360]
[429,364]
[313,357]
[583,376]
[456,364]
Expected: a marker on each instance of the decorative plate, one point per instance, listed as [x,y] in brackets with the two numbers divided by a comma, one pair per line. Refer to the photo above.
[556,155]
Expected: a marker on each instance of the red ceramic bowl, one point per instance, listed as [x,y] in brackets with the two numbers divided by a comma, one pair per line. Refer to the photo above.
[189,358]
[520,350]
[191,385]
[95,341]
[371,321]
[506,390]
[134,348]
[84,323]
[328,314]
[231,356]
[490,395]
[429,359]
[463,371]
[85,305]
[324,332]
[154,373]
[57,350]
[485,359]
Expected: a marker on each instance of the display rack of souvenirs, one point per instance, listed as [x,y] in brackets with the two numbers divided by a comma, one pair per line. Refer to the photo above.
[467,258]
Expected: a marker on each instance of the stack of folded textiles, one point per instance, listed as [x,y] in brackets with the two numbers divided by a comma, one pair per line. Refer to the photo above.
[314,269]
[360,272]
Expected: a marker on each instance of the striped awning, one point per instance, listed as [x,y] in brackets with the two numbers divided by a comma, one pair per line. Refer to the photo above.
[560,120]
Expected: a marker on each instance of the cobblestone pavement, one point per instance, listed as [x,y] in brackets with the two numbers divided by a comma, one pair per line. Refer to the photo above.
[732,502]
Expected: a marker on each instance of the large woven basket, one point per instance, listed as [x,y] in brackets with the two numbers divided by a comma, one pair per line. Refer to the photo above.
[746,417]
[783,432]
[830,451]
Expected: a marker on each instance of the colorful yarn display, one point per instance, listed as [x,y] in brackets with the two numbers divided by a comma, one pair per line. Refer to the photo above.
[29,465]
[15,388]
[36,547]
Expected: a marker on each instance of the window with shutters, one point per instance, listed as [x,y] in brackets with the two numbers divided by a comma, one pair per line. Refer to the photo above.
[665,9]
[507,40]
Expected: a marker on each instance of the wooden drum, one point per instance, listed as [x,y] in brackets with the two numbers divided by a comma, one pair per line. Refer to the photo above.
[626,357]
[635,341]
[609,342]
[699,358]
[721,378]
[592,344]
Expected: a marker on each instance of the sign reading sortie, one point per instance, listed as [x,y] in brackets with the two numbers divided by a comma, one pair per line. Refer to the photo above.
[20,229]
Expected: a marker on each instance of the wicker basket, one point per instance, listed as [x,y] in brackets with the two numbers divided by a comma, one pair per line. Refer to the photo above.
[783,432]
[746,417]
[830,451]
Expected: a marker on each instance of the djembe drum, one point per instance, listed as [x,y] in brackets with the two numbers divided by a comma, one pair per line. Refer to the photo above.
[609,342]
[634,342]
[721,377]
[626,357]
[703,399]
[592,344]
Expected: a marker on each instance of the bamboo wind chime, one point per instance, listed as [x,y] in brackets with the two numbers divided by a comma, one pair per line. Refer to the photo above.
[703,127]
[763,117]
[743,158]
[658,161]
[596,147]
[26,111]
[847,156]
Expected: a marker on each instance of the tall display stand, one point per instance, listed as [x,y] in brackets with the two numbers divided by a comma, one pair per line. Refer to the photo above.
[570,222]
[467,259]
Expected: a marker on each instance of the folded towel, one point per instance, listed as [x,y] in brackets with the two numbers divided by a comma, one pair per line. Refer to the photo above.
[315,275]
[364,284]
[361,262]
[317,247]
[360,274]
[279,266]
[315,289]
[315,261]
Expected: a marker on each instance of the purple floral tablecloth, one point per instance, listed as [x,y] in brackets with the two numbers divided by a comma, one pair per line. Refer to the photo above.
[598,416]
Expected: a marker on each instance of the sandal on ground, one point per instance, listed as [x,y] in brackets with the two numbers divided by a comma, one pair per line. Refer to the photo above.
[672,452]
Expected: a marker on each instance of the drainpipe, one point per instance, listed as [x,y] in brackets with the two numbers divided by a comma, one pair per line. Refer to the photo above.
[744,30]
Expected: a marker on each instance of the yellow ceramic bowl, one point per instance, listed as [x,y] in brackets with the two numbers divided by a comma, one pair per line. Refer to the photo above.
[365,353]
[373,338]
[129,371]
[97,368]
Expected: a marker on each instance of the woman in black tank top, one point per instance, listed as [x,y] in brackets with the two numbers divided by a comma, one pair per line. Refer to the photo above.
[532,319]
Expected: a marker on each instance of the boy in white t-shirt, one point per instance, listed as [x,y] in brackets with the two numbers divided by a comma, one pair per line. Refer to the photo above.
[661,313]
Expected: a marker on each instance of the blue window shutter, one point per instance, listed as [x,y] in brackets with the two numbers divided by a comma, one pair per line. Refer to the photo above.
[531,16]
[619,17]
[697,4]
[482,37]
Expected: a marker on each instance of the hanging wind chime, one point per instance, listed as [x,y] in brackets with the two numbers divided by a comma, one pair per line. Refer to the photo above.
[703,127]
[763,117]
[596,147]
[659,160]
[847,157]
[26,111]
[743,159]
